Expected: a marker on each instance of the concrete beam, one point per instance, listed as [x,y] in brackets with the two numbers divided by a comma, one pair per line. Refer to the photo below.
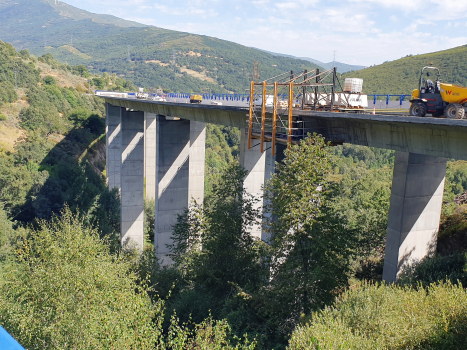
[436,137]
[113,142]
[415,210]
[221,115]
[132,179]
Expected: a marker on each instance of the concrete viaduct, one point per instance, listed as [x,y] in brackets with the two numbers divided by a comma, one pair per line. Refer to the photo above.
[159,147]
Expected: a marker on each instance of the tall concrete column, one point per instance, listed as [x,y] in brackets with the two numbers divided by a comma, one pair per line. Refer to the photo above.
[269,170]
[260,166]
[113,143]
[180,174]
[197,161]
[132,179]
[150,131]
[415,210]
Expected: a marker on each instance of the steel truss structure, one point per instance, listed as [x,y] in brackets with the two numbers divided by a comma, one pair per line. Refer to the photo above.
[310,90]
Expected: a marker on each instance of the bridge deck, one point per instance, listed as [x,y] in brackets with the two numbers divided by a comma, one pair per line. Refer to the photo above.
[430,136]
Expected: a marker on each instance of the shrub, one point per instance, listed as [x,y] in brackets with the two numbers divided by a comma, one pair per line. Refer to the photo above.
[8,93]
[2,117]
[47,58]
[24,53]
[437,268]
[98,83]
[389,317]
[79,115]
[49,80]
[81,70]
[69,291]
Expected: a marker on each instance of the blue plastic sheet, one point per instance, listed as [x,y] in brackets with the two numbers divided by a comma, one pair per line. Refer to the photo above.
[7,342]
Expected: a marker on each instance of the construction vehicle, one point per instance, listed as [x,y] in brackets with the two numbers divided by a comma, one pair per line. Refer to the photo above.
[196,98]
[438,99]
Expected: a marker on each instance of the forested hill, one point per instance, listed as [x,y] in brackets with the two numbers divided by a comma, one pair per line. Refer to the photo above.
[401,76]
[102,43]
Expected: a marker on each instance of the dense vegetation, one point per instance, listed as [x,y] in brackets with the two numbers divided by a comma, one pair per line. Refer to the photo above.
[60,256]
[389,317]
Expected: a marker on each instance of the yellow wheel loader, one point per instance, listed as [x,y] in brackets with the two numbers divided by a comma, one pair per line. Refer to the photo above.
[438,99]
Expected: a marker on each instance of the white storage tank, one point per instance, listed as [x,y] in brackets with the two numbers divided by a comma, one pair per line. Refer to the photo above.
[354,85]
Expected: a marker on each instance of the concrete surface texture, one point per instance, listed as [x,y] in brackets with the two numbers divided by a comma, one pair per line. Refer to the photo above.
[437,137]
[415,210]
[269,170]
[180,175]
[132,179]
[422,146]
[259,166]
[113,148]
[150,132]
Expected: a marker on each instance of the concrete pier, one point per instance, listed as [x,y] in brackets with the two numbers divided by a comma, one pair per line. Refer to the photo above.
[415,210]
[418,181]
[260,167]
[132,179]
[113,145]
[150,132]
[180,174]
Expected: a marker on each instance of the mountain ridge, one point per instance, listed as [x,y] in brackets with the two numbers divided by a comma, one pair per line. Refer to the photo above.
[177,61]
[341,67]
[143,54]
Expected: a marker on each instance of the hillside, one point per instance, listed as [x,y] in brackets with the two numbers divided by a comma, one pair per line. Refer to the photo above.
[401,76]
[341,67]
[74,36]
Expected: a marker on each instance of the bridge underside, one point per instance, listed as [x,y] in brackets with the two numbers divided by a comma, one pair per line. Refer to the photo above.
[165,151]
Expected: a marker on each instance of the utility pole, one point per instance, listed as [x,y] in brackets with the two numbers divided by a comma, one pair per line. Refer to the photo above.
[16,80]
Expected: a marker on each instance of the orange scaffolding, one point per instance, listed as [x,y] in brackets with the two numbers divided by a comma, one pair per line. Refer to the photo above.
[282,111]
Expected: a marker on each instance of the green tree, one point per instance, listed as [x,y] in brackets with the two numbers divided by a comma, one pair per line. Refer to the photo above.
[8,94]
[212,244]
[311,246]
[49,80]
[24,53]
[81,70]
[68,291]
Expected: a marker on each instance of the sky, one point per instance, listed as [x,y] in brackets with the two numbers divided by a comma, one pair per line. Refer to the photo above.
[362,32]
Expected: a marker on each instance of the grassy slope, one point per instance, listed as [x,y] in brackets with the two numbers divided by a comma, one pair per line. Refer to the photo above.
[401,76]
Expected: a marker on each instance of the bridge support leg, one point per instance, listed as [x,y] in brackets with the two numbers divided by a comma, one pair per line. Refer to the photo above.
[270,168]
[150,130]
[113,145]
[415,210]
[132,179]
[260,167]
[180,175]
